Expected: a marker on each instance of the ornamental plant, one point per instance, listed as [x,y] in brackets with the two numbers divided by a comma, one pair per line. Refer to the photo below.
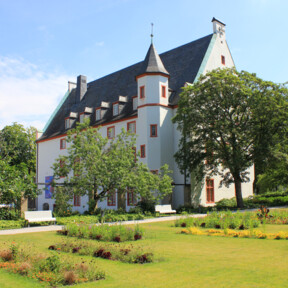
[50,269]
[103,232]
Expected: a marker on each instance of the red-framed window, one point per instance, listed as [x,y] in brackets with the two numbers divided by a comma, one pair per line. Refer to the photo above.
[142,151]
[153,130]
[98,114]
[142,92]
[163,91]
[135,102]
[223,60]
[210,190]
[131,198]
[111,132]
[131,126]
[62,143]
[111,199]
[115,109]
[67,123]
[62,165]
[154,172]
[77,200]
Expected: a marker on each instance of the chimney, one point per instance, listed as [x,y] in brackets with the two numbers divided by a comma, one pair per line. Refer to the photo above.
[218,28]
[81,87]
[71,86]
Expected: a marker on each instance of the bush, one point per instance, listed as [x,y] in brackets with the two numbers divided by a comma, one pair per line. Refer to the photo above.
[6,213]
[11,224]
[146,206]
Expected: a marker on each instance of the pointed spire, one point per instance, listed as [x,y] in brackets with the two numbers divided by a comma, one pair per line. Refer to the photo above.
[152,33]
[152,63]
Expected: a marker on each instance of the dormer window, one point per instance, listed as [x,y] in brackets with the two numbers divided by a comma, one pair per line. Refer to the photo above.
[115,109]
[135,103]
[142,92]
[67,123]
[98,114]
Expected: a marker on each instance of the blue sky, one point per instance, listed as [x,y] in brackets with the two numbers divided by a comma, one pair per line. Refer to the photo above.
[46,43]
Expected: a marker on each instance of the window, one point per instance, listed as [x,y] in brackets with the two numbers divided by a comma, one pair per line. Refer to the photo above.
[81,117]
[223,59]
[111,132]
[163,91]
[111,199]
[67,123]
[131,198]
[115,109]
[98,114]
[62,166]
[63,143]
[154,172]
[142,92]
[153,130]
[135,103]
[142,151]
[77,200]
[131,127]
[210,190]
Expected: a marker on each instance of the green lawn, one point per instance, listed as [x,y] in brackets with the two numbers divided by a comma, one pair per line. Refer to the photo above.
[183,261]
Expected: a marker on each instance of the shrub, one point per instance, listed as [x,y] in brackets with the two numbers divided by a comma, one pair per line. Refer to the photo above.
[24,268]
[70,277]
[6,255]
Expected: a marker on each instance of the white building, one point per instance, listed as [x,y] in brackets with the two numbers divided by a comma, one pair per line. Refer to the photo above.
[142,97]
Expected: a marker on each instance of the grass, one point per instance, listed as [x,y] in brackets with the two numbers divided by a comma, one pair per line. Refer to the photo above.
[183,261]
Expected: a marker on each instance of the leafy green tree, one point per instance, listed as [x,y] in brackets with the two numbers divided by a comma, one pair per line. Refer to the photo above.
[17,146]
[96,165]
[228,120]
[17,164]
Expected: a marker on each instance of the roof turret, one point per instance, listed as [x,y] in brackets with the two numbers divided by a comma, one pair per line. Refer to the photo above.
[152,63]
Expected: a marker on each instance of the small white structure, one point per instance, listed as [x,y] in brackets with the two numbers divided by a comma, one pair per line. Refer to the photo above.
[142,98]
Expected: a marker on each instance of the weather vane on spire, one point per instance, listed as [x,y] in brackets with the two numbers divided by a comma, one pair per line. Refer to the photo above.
[152,33]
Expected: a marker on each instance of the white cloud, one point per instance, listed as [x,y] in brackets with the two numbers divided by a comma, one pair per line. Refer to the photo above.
[28,95]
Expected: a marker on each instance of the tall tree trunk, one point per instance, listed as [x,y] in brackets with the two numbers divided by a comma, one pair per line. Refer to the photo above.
[238,191]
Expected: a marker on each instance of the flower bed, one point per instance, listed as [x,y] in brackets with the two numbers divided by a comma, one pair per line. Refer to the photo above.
[127,253]
[232,233]
[222,220]
[116,233]
[92,219]
[50,269]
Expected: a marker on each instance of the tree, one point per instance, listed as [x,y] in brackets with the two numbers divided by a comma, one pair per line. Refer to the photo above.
[96,165]
[17,164]
[228,121]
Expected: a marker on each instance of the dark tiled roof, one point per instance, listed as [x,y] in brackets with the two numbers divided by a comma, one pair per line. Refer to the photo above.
[152,63]
[182,64]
